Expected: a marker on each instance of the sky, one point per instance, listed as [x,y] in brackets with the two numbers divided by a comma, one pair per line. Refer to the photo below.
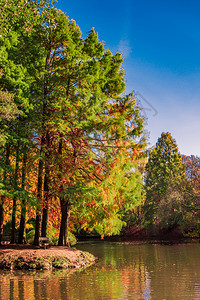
[160,42]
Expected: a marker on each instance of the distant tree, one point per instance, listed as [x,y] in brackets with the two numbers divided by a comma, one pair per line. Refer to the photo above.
[192,168]
[192,201]
[164,179]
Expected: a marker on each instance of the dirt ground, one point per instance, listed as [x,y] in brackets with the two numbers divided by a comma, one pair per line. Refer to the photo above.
[29,256]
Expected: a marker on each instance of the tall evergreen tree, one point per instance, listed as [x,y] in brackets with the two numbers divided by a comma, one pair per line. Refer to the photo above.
[164,175]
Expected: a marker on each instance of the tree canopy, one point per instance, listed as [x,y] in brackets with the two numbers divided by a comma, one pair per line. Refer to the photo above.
[72,138]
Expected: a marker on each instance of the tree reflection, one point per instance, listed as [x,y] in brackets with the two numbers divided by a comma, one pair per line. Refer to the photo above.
[124,272]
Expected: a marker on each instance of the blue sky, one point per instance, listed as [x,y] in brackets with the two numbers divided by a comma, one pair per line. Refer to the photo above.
[160,41]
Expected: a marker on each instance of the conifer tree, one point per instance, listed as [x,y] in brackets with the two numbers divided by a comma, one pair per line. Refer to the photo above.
[164,175]
[17,21]
[67,95]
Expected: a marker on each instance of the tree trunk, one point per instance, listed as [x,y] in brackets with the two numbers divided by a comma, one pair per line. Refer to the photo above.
[21,238]
[44,221]
[1,218]
[39,195]
[37,228]
[45,204]
[46,188]
[13,229]
[42,150]
[65,214]
[62,225]
[65,206]
[7,163]
[66,237]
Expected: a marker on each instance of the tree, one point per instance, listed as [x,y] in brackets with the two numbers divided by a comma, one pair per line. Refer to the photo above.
[81,132]
[192,201]
[18,19]
[104,205]
[81,110]
[164,179]
[13,83]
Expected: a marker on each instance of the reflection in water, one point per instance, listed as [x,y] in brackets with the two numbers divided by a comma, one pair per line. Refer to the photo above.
[122,272]
[147,287]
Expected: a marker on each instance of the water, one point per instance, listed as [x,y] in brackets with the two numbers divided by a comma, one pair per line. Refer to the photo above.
[159,272]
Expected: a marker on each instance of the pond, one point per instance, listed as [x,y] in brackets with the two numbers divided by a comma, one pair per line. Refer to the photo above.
[123,271]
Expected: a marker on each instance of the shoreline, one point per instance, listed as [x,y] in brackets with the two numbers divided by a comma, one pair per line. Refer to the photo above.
[28,257]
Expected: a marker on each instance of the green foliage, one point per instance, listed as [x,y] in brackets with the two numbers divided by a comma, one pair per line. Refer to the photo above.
[190,225]
[170,208]
[86,111]
[66,90]
[164,182]
[103,208]
[30,236]
[52,235]
[8,108]
[72,239]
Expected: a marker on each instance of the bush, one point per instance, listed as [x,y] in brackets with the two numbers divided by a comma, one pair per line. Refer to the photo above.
[72,239]
[30,236]
[52,236]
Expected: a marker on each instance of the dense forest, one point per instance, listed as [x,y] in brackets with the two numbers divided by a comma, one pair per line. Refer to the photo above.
[73,146]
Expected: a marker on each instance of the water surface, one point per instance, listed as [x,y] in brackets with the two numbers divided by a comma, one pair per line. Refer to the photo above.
[145,271]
